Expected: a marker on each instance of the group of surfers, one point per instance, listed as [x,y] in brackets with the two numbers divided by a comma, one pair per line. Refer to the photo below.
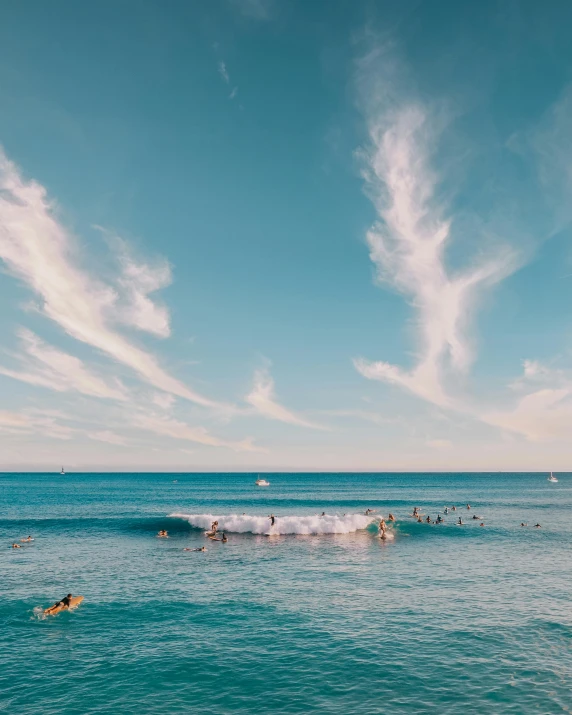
[25,541]
[212,534]
[439,520]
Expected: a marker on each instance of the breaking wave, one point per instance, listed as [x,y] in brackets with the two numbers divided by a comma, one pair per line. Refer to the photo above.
[247,523]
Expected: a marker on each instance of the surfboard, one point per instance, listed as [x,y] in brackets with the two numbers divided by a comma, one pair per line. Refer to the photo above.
[75,601]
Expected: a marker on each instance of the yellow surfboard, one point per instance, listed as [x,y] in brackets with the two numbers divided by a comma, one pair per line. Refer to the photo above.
[74,602]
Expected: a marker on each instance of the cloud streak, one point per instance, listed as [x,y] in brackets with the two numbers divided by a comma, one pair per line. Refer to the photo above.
[46,366]
[407,246]
[38,250]
[262,397]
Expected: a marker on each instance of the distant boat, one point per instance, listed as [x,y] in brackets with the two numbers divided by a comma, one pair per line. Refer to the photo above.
[62,472]
[262,482]
[552,478]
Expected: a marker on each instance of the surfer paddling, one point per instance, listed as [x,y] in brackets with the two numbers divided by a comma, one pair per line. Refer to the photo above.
[272,519]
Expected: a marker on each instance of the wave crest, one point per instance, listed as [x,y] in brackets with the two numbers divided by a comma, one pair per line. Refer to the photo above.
[247,523]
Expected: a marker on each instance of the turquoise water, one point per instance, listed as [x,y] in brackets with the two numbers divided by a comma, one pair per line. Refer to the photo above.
[446,618]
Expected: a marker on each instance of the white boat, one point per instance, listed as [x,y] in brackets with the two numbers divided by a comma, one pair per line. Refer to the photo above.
[262,483]
[552,478]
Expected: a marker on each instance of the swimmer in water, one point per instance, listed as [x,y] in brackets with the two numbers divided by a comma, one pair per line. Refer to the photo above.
[428,519]
[537,526]
[272,519]
[16,546]
[415,511]
[28,538]
[468,506]
[446,510]
[523,524]
[453,508]
[419,520]
[482,523]
[439,518]
[476,517]
[163,534]
[390,517]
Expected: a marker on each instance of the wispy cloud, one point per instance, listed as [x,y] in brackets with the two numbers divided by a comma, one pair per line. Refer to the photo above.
[255,9]
[176,429]
[44,423]
[48,367]
[233,93]
[38,249]
[263,399]
[139,279]
[407,246]
[107,436]
[222,70]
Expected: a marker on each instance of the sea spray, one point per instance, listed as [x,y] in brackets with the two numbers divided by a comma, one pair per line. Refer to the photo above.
[248,523]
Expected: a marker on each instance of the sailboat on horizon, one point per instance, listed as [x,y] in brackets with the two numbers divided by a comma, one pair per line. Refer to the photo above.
[552,478]
[62,472]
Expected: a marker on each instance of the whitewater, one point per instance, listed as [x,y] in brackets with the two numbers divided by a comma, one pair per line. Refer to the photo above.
[254,524]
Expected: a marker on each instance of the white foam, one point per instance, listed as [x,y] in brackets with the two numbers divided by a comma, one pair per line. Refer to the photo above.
[247,523]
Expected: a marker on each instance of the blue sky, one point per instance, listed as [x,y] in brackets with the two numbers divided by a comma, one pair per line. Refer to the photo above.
[252,235]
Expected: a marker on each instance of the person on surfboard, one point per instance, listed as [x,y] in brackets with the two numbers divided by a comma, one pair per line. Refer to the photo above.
[65,602]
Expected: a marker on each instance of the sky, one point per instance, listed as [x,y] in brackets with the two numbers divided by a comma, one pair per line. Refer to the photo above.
[254,235]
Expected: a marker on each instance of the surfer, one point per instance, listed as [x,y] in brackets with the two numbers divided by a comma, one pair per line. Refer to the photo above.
[460,522]
[224,539]
[477,517]
[16,546]
[537,526]
[415,511]
[419,520]
[214,527]
[523,524]
[428,519]
[201,548]
[482,523]
[439,518]
[28,538]
[65,602]
[446,510]
[163,534]
[272,519]
[453,508]
[323,513]
[390,517]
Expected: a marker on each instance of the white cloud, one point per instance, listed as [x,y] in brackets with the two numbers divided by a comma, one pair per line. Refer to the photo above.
[163,400]
[138,280]
[107,436]
[262,398]
[176,429]
[223,71]
[234,92]
[48,367]
[542,415]
[40,422]
[37,249]
[407,246]
[255,9]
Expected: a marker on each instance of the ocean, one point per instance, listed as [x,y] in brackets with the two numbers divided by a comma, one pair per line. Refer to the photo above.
[441,619]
